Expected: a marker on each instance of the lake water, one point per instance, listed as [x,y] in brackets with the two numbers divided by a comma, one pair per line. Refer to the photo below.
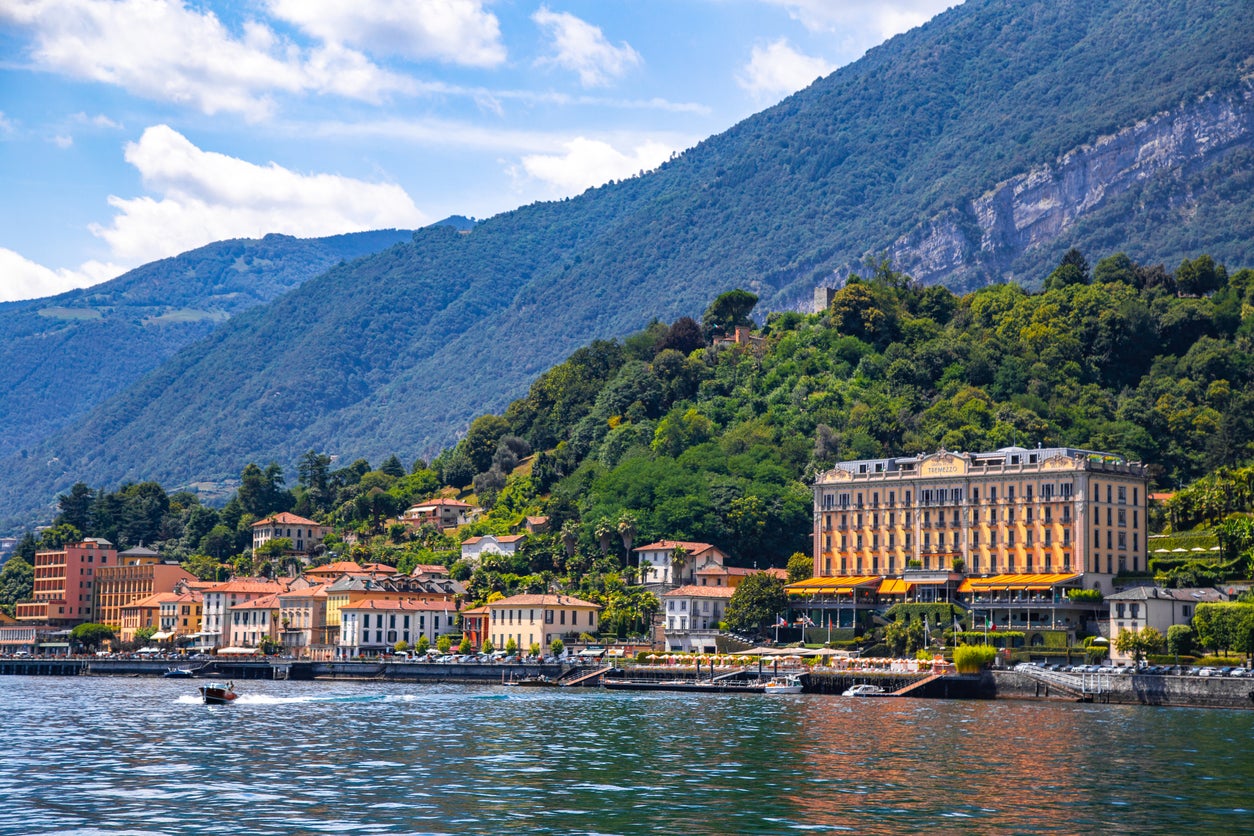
[89,755]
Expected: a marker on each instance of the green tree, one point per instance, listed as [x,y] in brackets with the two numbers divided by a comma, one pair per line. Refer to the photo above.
[1179,640]
[481,440]
[1073,269]
[729,310]
[511,646]
[488,647]
[443,644]
[800,567]
[1139,643]
[465,648]
[17,583]
[557,647]
[75,506]
[143,634]
[756,602]
[422,645]
[91,635]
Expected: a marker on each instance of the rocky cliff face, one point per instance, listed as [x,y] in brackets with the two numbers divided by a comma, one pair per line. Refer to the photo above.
[981,241]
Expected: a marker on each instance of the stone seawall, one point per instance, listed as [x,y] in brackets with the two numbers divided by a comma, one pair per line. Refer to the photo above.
[1195,691]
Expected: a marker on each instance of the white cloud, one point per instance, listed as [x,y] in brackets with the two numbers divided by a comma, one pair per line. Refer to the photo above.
[778,70]
[582,48]
[453,31]
[97,121]
[21,278]
[879,18]
[203,196]
[163,50]
[6,126]
[591,162]
[63,141]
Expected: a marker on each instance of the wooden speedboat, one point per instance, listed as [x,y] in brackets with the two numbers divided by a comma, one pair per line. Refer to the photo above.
[218,695]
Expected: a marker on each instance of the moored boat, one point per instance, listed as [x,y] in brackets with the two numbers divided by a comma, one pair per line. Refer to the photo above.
[179,673]
[790,684]
[865,690]
[218,695]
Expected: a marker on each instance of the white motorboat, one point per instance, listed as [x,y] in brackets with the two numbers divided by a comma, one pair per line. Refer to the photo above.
[865,690]
[790,684]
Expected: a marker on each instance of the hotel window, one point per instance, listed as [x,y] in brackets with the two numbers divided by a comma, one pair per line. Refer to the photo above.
[907,497]
[1110,519]
[1027,492]
[892,497]
[1066,537]
[927,540]
[1029,515]
[1010,537]
[1010,493]
[1136,541]
[1010,514]
[1108,494]
[1123,541]
[1123,517]
[908,539]
[1028,538]
[1097,538]
[992,538]
[1049,537]
[975,494]
[1123,495]
[992,494]
[1109,539]
[975,539]
[1135,515]
[859,541]
[1135,499]
[1049,515]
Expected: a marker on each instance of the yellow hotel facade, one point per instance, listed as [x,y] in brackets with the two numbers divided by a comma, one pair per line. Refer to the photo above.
[1011,511]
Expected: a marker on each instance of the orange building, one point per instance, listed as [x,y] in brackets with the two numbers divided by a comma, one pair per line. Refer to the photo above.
[64,589]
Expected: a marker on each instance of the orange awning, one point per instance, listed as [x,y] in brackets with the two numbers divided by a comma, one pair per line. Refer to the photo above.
[1027,582]
[832,585]
[895,586]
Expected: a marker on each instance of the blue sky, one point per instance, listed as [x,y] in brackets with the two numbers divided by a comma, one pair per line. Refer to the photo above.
[132,130]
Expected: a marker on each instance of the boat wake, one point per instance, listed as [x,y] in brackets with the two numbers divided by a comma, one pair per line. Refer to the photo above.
[270,699]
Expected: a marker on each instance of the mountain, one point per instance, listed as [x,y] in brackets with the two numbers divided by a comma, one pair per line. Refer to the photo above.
[982,145]
[64,354]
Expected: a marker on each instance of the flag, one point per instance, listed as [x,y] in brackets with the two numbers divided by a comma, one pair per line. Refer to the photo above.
[805,619]
[780,622]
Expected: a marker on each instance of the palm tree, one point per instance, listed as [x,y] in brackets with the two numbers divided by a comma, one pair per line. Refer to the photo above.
[604,530]
[679,561]
[627,524]
[570,537]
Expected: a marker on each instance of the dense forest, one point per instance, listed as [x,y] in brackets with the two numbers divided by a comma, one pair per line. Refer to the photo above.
[672,433]
[397,352]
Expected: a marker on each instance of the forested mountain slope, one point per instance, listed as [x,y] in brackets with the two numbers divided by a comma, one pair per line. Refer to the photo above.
[62,355]
[983,144]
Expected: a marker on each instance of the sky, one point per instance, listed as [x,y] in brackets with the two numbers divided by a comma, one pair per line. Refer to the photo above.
[134,130]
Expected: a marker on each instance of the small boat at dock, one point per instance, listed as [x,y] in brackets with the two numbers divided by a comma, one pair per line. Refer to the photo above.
[790,684]
[865,690]
[179,673]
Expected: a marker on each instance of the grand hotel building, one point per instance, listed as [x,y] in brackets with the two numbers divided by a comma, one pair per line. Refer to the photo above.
[1057,511]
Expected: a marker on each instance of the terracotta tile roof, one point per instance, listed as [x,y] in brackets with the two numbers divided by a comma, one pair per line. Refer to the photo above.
[541,601]
[245,585]
[500,538]
[438,501]
[284,518]
[316,591]
[669,545]
[401,605]
[379,568]
[430,569]
[153,600]
[476,611]
[695,591]
[340,567]
[265,602]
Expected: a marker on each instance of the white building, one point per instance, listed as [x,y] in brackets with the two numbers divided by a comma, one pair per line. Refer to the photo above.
[475,547]
[1150,606]
[377,625]
[692,615]
[657,561]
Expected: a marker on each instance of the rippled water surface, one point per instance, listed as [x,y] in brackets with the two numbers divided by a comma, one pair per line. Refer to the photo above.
[143,756]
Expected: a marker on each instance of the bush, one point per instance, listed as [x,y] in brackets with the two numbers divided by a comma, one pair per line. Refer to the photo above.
[970,658]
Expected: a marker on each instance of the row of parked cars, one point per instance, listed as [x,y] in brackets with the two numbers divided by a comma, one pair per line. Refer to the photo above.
[1143,670]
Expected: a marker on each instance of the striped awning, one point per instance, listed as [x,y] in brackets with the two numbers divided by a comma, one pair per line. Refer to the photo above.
[832,585]
[1027,583]
[895,586]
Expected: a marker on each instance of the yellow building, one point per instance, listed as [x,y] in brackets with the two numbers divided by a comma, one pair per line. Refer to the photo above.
[138,573]
[538,619]
[1015,510]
